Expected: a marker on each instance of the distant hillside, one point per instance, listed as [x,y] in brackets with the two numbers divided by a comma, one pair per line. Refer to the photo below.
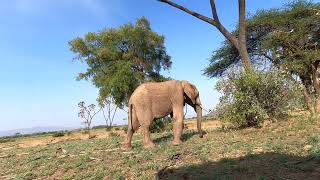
[35,130]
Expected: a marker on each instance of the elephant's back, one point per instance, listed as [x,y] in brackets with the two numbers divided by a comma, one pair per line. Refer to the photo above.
[154,89]
[153,86]
[138,93]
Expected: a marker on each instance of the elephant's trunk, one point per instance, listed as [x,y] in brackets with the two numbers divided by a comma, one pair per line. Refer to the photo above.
[199,118]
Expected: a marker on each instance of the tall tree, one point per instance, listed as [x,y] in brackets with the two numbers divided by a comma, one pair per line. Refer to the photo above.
[238,42]
[289,39]
[119,59]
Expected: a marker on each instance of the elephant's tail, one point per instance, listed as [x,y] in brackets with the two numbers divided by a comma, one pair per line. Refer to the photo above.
[130,117]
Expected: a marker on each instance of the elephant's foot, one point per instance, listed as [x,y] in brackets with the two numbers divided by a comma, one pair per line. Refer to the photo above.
[126,147]
[176,142]
[149,145]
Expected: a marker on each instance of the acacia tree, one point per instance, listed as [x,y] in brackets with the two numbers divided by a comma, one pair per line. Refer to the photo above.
[289,39]
[119,59]
[238,42]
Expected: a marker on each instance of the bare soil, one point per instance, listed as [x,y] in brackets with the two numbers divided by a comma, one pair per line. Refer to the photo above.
[44,140]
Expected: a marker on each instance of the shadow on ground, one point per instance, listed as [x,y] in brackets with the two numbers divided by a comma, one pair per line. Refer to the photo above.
[259,166]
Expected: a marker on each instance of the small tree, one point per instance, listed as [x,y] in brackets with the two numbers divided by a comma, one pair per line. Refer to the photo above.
[87,113]
[109,110]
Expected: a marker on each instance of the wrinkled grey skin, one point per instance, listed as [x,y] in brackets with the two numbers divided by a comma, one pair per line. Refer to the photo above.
[156,100]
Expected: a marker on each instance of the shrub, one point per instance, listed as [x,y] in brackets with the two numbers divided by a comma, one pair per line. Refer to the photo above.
[160,125]
[249,98]
[114,134]
[5,140]
[109,128]
[100,127]
[84,131]
[117,128]
[58,134]
[125,129]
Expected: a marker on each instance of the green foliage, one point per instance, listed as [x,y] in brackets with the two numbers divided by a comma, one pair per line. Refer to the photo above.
[120,59]
[6,140]
[249,98]
[222,59]
[287,38]
[58,134]
[109,128]
[295,35]
[100,127]
[125,129]
[160,125]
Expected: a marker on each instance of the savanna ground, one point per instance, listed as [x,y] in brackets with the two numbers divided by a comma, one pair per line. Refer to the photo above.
[286,149]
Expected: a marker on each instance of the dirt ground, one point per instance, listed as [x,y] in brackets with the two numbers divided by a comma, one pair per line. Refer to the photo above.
[43,140]
[283,149]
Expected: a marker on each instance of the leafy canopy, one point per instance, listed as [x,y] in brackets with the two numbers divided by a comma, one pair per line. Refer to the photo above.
[119,59]
[288,38]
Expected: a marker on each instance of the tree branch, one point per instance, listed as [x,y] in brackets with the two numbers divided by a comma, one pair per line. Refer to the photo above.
[95,113]
[215,22]
[104,116]
[195,14]
[214,11]
[114,113]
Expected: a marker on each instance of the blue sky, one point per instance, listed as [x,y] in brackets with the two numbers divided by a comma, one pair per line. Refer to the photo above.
[37,74]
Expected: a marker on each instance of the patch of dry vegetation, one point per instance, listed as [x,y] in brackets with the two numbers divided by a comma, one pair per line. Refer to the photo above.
[287,149]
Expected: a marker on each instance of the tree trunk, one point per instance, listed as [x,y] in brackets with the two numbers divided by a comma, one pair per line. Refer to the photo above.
[309,101]
[315,77]
[199,118]
[243,51]
[88,131]
[316,84]
[308,92]
[245,58]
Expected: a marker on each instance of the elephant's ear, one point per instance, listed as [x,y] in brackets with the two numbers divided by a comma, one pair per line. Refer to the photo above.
[190,90]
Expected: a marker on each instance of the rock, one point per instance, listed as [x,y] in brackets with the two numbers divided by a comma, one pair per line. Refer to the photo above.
[60,152]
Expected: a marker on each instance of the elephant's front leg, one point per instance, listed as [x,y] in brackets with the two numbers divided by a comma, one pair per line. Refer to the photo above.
[177,125]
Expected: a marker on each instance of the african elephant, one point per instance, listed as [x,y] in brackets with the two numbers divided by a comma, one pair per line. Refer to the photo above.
[156,100]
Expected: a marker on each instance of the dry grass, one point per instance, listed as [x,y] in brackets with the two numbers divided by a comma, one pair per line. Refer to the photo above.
[283,150]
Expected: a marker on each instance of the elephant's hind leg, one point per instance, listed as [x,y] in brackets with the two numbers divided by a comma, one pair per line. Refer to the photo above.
[147,142]
[145,120]
[133,126]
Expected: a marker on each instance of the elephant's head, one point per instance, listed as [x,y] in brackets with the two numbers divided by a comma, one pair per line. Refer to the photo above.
[191,96]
